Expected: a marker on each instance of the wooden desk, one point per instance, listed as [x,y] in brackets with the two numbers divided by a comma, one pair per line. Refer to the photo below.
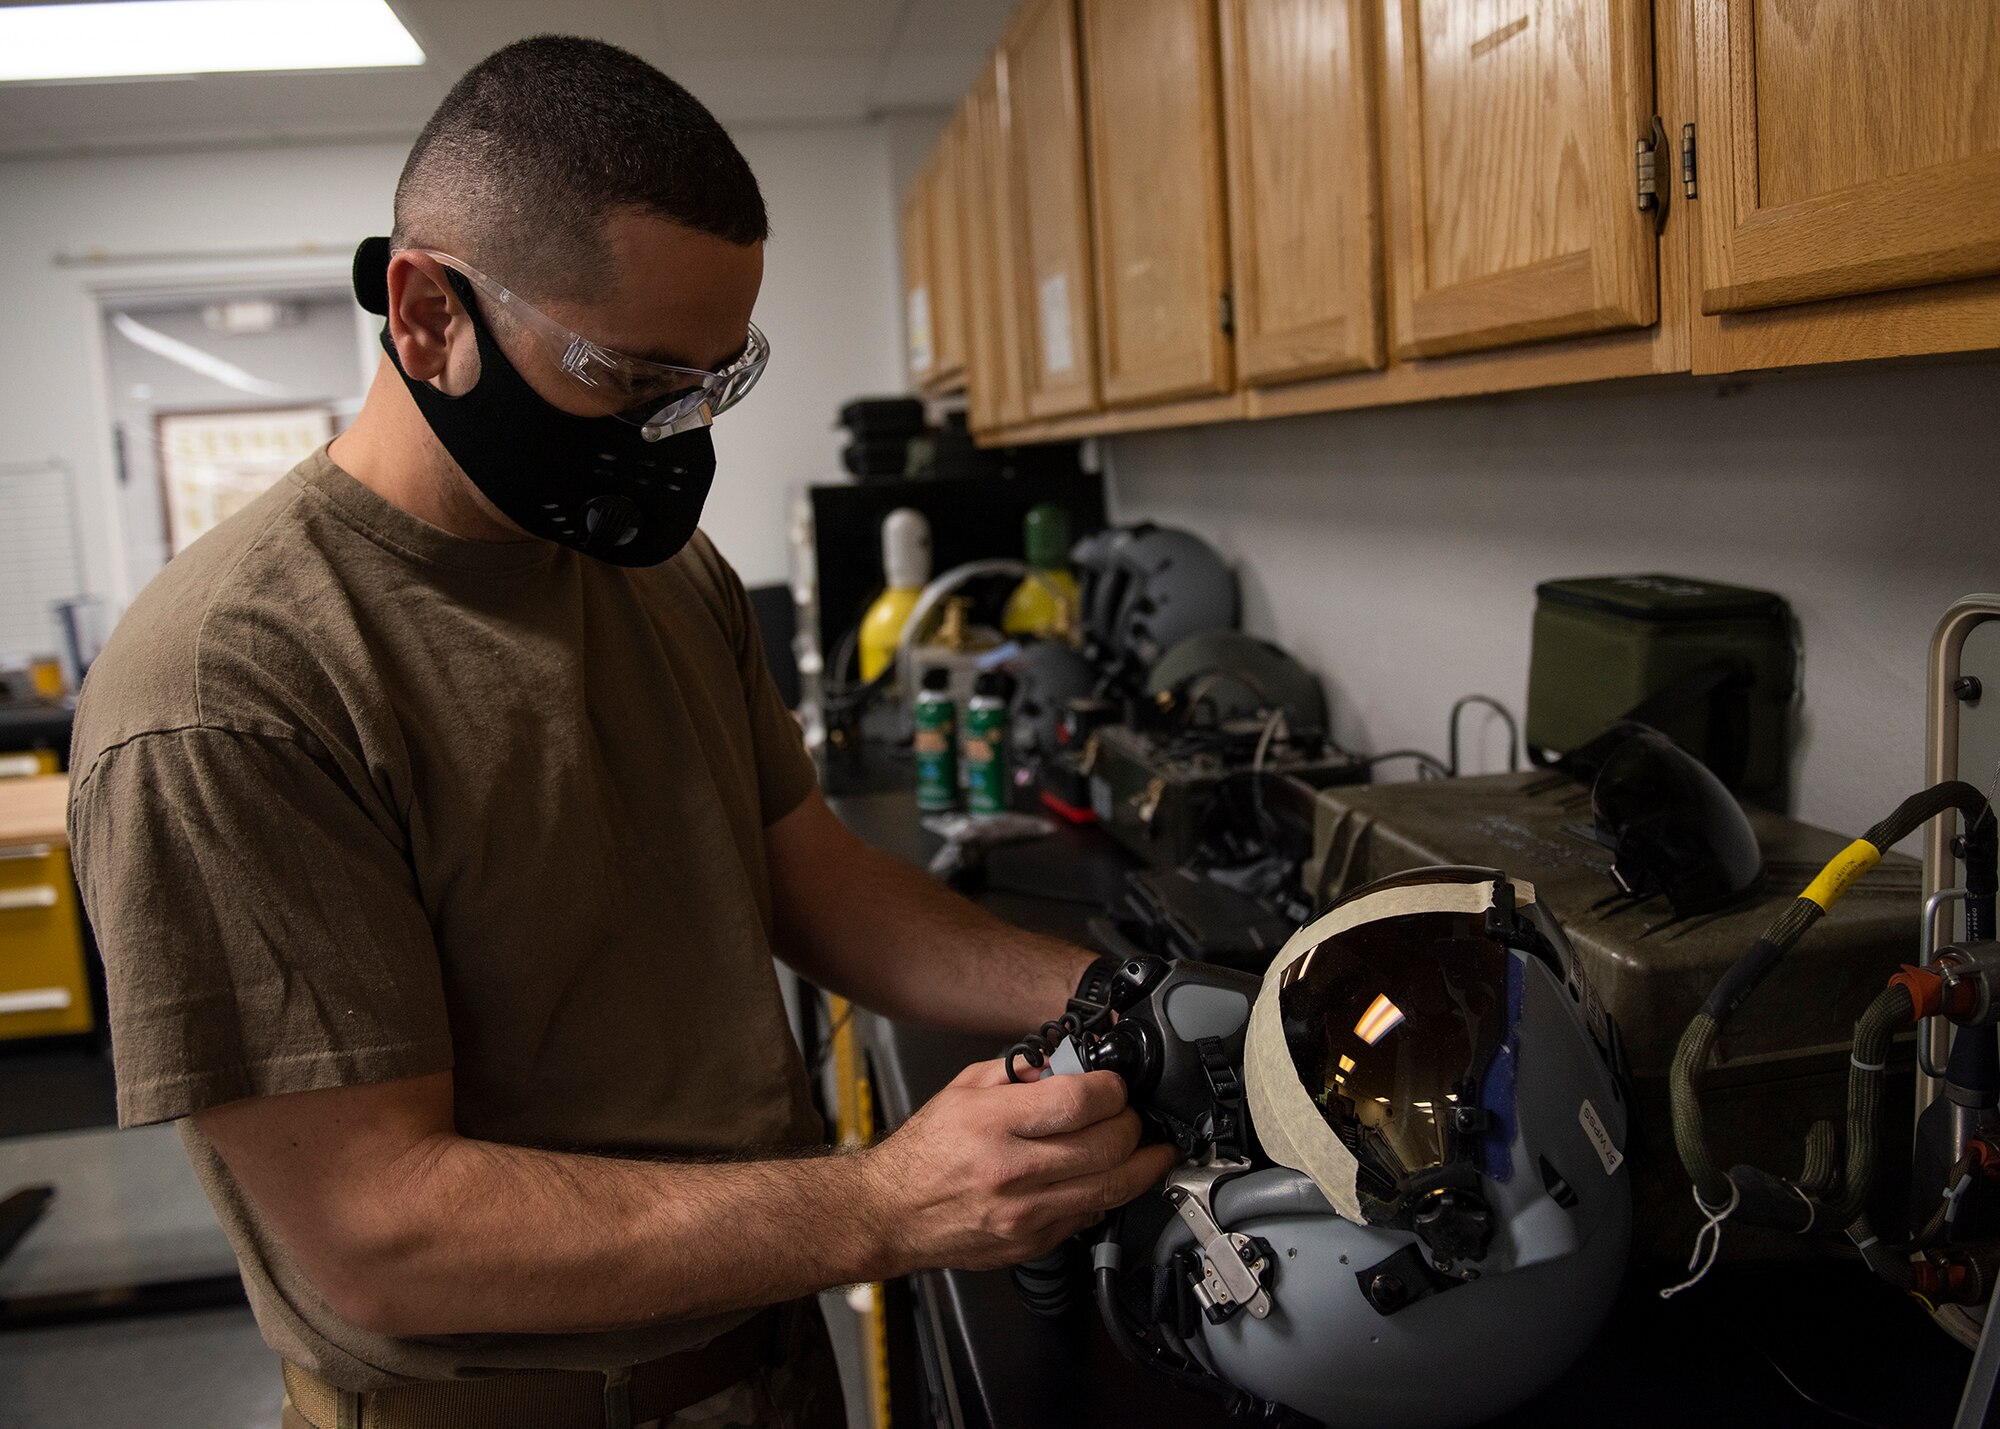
[32,809]
[44,976]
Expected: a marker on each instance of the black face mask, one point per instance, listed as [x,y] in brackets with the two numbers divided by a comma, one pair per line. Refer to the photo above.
[594,484]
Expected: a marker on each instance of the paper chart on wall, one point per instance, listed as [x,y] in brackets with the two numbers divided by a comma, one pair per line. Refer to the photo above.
[213,464]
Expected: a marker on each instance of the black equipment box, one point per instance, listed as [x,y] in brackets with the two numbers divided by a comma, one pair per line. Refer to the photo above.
[1605,644]
[1153,791]
[1782,1060]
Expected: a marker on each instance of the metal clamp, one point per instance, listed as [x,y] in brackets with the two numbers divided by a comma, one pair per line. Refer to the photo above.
[1232,1269]
[1926,950]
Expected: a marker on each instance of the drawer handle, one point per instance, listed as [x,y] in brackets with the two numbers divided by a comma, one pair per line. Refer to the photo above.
[35,999]
[25,851]
[41,895]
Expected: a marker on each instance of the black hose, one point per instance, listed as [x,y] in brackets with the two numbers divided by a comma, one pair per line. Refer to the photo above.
[1826,1194]
[1241,1407]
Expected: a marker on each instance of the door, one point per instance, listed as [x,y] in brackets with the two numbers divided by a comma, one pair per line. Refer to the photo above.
[947,255]
[917,304]
[1845,146]
[1045,106]
[997,395]
[1152,78]
[1510,128]
[1298,89]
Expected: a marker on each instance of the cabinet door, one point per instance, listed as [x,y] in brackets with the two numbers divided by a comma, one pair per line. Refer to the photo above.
[1298,86]
[917,305]
[997,393]
[1152,76]
[1509,137]
[1845,146]
[1046,113]
[947,255]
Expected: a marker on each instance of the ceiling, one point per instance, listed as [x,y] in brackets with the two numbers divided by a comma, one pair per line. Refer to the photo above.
[751,61]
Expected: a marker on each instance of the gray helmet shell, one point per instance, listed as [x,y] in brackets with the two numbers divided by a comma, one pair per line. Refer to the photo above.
[1238,676]
[1562,1224]
[1046,673]
[1175,585]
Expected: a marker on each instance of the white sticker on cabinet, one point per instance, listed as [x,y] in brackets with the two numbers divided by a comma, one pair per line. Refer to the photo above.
[1058,357]
[920,330]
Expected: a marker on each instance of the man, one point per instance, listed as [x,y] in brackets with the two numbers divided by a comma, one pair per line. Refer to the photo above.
[438,821]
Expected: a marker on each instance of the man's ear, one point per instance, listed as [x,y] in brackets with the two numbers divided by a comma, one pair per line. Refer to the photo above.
[425,318]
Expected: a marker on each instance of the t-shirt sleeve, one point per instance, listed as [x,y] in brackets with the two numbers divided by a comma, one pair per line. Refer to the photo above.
[261,929]
[785,772]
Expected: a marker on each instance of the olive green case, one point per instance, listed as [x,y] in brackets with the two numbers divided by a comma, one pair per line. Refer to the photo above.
[1604,644]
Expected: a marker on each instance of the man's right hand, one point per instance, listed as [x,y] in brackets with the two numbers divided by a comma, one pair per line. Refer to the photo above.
[991,1172]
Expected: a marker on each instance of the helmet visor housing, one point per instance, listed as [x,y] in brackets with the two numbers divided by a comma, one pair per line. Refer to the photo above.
[659,397]
[1396,1028]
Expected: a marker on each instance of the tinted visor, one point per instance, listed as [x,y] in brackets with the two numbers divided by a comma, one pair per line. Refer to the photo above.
[1672,827]
[1395,1027]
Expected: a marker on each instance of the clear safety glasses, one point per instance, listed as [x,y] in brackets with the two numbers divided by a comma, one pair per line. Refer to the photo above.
[657,396]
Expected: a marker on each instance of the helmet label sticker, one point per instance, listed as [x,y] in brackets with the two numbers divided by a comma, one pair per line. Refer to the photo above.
[1600,1139]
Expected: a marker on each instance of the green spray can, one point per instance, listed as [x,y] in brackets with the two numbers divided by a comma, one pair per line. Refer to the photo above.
[936,742]
[986,745]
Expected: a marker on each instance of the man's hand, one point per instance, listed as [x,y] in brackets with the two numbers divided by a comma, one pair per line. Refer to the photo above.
[990,1173]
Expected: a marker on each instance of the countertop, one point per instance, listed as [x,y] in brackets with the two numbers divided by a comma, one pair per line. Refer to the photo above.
[1753,1344]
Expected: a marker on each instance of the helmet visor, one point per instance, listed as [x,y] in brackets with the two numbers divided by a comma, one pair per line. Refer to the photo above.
[1672,827]
[1396,1029]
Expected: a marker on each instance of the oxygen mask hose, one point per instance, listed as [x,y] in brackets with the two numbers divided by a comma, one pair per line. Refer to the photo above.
[1828,1194]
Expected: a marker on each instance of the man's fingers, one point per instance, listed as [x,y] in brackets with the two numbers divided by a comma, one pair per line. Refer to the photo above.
[982,1074]
[1102,1146]
[1100,1191]
[1059,1104]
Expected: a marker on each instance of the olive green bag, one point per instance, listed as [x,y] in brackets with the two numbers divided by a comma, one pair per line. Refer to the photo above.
[1712,666]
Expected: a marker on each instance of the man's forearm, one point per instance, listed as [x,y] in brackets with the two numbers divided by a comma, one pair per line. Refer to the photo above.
[480,1237]
[869,926]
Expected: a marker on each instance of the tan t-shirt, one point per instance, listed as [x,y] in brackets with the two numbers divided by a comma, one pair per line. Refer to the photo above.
[354,799]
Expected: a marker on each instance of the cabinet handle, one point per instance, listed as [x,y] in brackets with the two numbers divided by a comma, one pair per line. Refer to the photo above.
[25,851]
[40,895]
[35,999]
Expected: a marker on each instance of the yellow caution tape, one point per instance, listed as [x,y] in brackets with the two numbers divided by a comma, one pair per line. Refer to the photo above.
[1849,864]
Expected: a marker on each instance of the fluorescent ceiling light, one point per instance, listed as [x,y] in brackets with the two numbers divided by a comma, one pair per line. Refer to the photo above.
[193,358]
[161,37]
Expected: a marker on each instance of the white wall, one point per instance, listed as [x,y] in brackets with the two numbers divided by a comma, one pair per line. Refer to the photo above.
[829,301]
[1396,551]
[829,306]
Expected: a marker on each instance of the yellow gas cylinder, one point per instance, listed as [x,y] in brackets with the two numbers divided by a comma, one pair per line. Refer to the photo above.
[1034,608]
[906,565]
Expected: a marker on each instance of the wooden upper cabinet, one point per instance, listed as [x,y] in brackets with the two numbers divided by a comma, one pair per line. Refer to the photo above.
[1509,134]
[1152,79]
[918,328]
[995,386]
[947,257]
[1845,146]
[1045,111]
[1298,87]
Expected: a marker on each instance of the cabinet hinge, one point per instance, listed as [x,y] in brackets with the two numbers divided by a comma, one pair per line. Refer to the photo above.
[1226,312]
[1647,154]
[1687,160]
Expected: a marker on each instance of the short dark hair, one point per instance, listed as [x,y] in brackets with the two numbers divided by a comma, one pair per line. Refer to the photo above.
[540,142]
